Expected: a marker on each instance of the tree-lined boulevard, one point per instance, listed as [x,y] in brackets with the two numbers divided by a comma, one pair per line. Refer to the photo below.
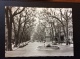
[27,28]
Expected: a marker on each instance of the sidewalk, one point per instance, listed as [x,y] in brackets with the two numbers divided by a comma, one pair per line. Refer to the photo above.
[31,50]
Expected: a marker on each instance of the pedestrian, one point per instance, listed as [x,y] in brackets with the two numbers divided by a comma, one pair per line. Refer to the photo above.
[62,39]
[69,41]
[56,39]
[44,42]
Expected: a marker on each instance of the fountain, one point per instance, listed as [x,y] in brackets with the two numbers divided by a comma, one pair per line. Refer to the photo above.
[48,47]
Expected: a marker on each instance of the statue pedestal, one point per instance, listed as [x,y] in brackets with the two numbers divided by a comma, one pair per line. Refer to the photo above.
[48,47]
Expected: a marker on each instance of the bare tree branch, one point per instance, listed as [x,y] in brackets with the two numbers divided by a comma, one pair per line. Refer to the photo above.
[18,12]
[62,14]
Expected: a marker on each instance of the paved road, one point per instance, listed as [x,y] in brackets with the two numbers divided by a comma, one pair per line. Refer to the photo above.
[31,50]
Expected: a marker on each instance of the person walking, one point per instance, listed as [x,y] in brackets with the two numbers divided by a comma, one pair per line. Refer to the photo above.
[44,42]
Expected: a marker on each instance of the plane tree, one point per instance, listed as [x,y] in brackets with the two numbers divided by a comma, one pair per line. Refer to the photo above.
[9,14]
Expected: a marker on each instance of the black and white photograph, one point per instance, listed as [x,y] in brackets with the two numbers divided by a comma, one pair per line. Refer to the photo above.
[38,31]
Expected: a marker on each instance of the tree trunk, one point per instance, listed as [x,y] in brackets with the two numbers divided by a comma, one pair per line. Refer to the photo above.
[16,40]
[67,42]
[59,33]
[9,27]
[10,35]
[66,32]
